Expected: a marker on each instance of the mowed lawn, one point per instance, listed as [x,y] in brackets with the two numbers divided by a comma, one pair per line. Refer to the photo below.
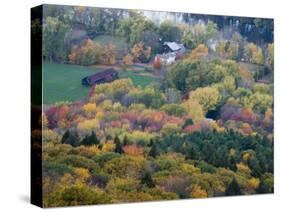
[141,80]
[63,82]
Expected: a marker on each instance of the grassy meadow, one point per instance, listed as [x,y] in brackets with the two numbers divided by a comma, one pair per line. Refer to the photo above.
[59,86]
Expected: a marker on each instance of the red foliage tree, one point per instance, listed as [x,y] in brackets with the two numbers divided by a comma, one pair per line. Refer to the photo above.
[157,64]
[192,128]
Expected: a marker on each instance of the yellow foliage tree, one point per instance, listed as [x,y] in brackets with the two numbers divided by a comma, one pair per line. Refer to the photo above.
[50,136]
[232,152]
[108,147]
[117,86]
[200,51]
[99,115]
[137,50]
[108,54]
[90,108]
[87,126]
[227,49]
[194,110]
[88,53]
[74,54]
[82,174]
[44,121]
[254,53]
[208,97]
[253,183]
[190,169]
[138,136]
[243,169]
[170,128]
[246,156]
[270,49]
[89,151]
[128,60]
[198,192]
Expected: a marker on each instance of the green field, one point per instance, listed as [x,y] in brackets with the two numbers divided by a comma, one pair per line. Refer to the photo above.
[141,80]
[63,82]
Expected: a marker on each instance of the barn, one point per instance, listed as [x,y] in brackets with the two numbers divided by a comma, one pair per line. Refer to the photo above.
[107,75]
[171,50]
[177,48]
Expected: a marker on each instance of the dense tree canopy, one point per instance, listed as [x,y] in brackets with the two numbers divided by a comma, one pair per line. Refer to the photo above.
[199,127]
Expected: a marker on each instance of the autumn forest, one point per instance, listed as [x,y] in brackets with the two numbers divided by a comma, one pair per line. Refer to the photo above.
[171,107]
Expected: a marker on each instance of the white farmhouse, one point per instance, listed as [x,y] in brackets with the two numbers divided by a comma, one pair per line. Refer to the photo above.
[170,52]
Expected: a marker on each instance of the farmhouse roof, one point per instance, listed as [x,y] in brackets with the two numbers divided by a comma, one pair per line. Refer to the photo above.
[102,74]
[173,46]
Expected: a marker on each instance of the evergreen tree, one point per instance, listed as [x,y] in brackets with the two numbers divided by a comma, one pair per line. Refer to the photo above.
[262,189]
[153,151]
[192,153]
[90,140]
[118,145]
[255,167]
[108,137]
[233,188]
[266,184]
[187,123]
[150,143]
[222,157]
[232,163]
[125,140]
[147,180]
[70,137]
[65,136]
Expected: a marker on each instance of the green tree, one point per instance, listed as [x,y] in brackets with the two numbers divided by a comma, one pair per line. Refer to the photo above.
[90,140]
[170,32]
[125,140]
[233,188]
[154,152]
[147,180]
[189,40]
[70,137]
[173,109]
[211,29]
[54,32]
[118,145]
[188,74]
[266,184]
[187,123]
[132,28]
[79,195]
[259,102]
[192,152]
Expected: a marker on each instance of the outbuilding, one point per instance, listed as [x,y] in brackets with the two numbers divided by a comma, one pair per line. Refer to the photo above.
[107,75]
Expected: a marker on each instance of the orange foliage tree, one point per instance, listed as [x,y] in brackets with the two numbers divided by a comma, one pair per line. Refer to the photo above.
[108,55]
[128,60]
[133,150]
[200,51]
